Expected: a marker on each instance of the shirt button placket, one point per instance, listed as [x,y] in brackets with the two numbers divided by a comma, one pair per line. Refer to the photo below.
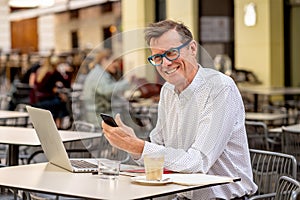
[180,121]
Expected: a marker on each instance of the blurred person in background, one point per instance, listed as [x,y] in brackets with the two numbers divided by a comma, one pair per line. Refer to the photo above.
[101,82]
[20,90]
[45,94]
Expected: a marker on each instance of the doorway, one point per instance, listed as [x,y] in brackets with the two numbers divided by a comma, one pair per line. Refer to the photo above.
[292,42]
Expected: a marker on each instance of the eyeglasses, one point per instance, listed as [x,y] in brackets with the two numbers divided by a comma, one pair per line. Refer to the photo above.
[171,54]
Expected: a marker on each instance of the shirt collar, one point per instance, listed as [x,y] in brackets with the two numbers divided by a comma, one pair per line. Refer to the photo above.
[188,92]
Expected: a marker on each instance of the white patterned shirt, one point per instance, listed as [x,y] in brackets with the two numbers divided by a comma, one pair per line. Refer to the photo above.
[202,130]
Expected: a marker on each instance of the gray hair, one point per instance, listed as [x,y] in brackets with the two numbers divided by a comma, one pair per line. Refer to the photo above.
[155,30]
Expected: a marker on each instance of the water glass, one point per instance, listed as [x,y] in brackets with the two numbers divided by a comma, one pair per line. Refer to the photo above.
[109,169]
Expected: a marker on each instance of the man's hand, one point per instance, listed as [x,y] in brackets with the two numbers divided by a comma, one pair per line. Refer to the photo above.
[123,137]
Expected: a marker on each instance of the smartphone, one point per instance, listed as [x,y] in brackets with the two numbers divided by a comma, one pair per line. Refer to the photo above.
[108,120]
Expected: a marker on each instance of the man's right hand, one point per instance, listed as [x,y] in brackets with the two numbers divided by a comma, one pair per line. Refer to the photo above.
[123,137]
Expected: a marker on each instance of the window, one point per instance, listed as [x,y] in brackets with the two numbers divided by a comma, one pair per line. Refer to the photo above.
[74,39]
[107,37]
[160,10]
[74,14]
[106,7]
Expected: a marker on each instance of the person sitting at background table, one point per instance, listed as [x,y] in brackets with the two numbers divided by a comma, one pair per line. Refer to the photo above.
[200,127]
[47,81]
[100,84]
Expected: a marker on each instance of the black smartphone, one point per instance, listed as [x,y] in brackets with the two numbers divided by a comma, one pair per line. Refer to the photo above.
[108,120]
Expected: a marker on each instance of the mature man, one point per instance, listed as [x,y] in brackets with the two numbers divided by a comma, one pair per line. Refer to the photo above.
[200,126]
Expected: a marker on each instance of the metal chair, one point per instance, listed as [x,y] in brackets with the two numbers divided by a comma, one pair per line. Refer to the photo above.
[23,122]
[17,122]
[5,99]
[82,147]
[296,194]
[257,134]
[83,126]
[260,138]
[291,144]
[21,94]
[105,150]
[276,109]
[286,189]
[268,166]
[99,147]
[3,154]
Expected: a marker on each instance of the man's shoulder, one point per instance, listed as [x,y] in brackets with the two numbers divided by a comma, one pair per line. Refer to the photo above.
[213,76]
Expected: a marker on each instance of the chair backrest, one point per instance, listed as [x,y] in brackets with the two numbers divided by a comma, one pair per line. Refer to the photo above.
[83,126]
[21,93]
[4,101]
[296,194]
[100,147]
[80,148]
[257,134]
[291,144]
[268,167]
[286,186]
[105,150]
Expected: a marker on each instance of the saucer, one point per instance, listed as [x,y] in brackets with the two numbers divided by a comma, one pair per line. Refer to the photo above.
[142,180]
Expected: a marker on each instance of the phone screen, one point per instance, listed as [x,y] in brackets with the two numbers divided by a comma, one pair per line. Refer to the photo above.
[108,120]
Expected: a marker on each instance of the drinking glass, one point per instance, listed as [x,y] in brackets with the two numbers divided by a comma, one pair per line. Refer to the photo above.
[109,169]
[154,165]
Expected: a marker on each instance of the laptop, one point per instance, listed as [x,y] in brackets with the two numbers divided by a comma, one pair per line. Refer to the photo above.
[52,144]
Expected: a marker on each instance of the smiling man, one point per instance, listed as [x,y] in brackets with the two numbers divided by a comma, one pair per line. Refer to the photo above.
[200,127]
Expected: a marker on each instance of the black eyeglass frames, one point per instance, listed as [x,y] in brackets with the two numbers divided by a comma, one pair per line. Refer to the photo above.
[171,54]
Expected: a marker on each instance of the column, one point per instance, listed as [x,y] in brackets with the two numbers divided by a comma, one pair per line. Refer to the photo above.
[185,11]
[260,48]
[4,27]
[136,15]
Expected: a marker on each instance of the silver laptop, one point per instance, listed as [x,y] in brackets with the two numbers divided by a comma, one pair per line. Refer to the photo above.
[52,144]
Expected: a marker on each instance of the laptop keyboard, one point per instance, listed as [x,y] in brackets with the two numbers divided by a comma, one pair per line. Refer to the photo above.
[82,164]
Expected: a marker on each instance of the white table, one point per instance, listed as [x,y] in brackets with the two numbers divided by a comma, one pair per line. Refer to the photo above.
[294,127]
[269,91]
[255,116]
[13,115]
[17,136]
[47,178]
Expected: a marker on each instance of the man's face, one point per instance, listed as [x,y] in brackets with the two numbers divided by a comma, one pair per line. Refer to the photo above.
[180,71]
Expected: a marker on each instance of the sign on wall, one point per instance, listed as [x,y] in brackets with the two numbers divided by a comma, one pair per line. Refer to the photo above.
[215,29]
